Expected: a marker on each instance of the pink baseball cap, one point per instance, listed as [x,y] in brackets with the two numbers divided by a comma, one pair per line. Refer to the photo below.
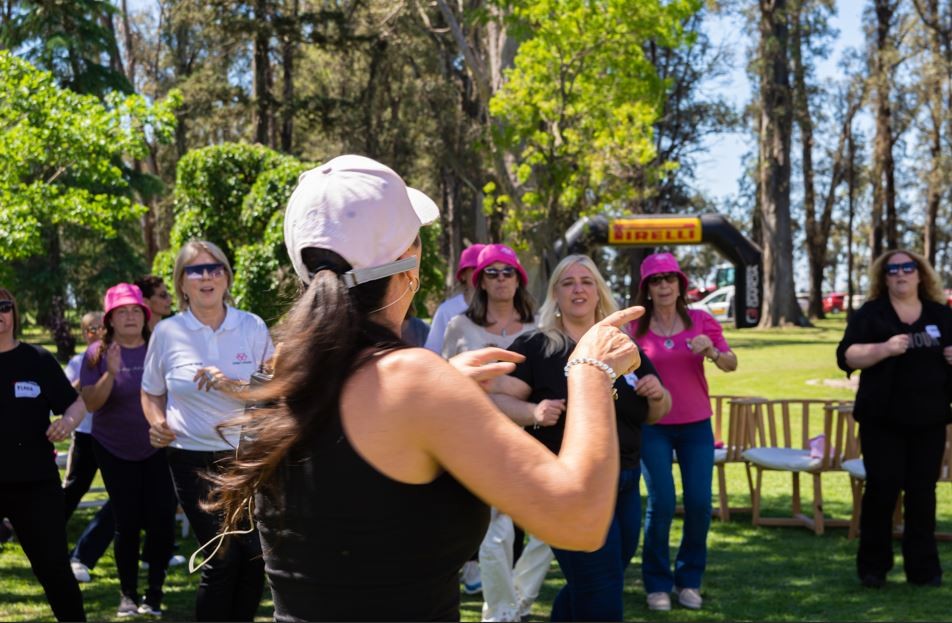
[492,253]
[658,263]
[469,258]
[125,294]
[360,209]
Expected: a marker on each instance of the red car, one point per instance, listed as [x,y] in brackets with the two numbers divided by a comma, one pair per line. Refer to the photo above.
[834,302]
[948,297]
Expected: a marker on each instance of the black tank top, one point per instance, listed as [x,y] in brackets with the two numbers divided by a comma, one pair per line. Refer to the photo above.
[344,542]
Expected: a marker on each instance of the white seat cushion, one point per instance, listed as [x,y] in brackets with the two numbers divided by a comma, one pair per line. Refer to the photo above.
[785,459]
[855,468]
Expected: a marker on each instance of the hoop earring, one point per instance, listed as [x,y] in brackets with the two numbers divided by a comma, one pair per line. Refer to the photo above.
[414,288]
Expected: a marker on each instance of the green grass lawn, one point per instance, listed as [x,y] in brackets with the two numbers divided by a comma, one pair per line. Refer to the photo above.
[776,574]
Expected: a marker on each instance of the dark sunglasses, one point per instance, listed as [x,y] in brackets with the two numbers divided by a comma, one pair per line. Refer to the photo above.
[656,279]
[497,273]
[906,267]
[197,271]
[6,307]
[94,329]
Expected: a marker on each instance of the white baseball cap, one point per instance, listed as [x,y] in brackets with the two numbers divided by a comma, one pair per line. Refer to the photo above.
[360,209]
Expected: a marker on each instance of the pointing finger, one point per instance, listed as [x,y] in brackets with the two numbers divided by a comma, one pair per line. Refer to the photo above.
[624,316]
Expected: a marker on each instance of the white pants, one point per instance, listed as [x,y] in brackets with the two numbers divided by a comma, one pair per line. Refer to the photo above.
[508,593]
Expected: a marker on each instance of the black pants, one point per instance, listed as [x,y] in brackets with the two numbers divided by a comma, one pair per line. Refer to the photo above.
[142,497]
[233,581]
[900,459]
[80,470]
[36,511]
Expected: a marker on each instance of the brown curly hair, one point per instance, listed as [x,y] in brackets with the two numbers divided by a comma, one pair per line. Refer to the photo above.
[930,286]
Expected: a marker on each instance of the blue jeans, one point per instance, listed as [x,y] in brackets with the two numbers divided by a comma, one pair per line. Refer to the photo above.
[594,581]
[694,444]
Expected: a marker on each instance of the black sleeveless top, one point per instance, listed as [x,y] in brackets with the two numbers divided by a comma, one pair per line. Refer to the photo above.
[344,542]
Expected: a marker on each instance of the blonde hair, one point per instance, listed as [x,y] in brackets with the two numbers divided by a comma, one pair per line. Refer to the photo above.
[550,319]
[189,251]
[930,286]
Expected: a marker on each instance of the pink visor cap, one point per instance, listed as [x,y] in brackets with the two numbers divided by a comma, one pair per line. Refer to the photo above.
[469,258]
[360,209]
[493,253]
[125,294]
[659,263]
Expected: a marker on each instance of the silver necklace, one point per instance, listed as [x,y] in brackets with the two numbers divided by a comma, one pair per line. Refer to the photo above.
[505,330]
[668,342]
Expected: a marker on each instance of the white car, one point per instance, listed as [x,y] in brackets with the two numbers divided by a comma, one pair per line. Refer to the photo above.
[719,303]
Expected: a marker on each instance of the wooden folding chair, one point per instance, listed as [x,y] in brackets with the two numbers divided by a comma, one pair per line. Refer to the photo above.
[783,433]
[739,437]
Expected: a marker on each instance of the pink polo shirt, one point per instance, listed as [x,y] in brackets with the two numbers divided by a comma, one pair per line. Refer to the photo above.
[682,372]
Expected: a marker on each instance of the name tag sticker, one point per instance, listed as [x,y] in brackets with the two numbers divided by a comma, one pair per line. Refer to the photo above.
[26,389]
[933,331]
[631,378]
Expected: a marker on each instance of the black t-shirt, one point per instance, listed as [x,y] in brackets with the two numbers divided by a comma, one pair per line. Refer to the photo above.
[546,376]
[915,388]
[31,385]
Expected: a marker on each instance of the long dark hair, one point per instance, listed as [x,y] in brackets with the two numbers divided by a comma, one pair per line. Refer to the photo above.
[644,300]
[523,302]
[109,336]
[325,337]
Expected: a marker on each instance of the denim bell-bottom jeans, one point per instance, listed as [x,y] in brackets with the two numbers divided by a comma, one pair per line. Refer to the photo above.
[694,444]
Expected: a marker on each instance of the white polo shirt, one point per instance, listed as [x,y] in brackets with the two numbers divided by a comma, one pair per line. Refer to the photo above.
[180,346]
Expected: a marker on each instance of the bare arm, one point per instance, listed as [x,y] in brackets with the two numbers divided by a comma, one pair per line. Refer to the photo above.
[61,428]
[96,395]
[160,435]
[565,500]
[726,360]
[860,356]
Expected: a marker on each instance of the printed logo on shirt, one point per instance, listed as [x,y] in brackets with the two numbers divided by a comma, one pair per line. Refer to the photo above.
[933,331]
[631,378]
[241,358]
[26,389]
[925,339]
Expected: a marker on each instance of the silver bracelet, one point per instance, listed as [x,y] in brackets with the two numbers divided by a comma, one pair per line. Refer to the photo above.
[601,365]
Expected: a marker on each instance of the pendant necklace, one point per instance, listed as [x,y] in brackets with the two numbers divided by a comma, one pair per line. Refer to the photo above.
[669,342]
[505,330]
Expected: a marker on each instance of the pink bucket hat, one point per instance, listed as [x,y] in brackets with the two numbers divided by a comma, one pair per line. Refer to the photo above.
[125,294]
[492,253]
[658,263]
[468,259]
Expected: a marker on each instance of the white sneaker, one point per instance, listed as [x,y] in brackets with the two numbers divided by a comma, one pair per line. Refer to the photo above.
[689,597]
[471,578]
[80,571]
[659,601]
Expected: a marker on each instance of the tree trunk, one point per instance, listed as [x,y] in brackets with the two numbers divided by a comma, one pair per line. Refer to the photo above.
[780,302]
[55,317]
[851,186]
[815,239]
[262,93]
[288,51]
[883,227]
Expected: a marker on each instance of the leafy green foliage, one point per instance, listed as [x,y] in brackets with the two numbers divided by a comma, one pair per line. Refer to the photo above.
[211,186]
[578,107]
[67,214]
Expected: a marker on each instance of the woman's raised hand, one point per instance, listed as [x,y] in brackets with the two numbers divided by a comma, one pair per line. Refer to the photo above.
[606,342]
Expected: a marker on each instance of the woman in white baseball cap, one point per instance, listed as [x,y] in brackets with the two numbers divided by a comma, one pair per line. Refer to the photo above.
[372,474]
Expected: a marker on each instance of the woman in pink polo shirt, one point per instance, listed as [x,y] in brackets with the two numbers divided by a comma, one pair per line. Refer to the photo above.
[677,340]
